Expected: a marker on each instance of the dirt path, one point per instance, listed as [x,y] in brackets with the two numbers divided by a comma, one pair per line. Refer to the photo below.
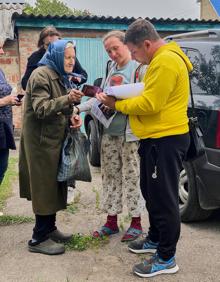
[197,253]
[111,262]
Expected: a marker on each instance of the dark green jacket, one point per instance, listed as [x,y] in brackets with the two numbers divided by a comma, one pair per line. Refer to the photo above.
[46,113]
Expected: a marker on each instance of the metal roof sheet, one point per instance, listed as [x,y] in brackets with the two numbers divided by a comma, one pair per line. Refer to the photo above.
[87,18]
[110,18]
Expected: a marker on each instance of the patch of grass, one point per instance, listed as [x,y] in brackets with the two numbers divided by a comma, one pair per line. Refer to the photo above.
[97,198]
[121,225]
[127,218]
[73,207]
[80,242]
[5,193]
[124,219]
[6,186]
[77,197]
[14,219]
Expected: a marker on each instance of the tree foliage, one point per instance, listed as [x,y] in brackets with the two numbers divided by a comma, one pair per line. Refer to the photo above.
[206,72]
[53,8]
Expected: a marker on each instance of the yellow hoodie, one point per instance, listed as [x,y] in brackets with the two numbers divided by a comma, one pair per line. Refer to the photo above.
[161,110]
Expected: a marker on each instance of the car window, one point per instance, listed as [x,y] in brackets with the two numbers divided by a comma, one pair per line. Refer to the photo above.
[205,78]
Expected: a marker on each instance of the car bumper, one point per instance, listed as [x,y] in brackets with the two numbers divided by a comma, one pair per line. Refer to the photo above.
[207,170]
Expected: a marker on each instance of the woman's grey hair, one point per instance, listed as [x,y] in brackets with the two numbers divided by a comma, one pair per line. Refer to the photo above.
[70,44]
[139,31]
[114,33]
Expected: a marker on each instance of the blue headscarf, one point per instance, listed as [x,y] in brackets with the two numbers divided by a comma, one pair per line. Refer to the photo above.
[54,59]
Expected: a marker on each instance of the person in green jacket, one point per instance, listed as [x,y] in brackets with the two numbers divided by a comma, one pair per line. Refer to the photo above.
[159,118]
[48,112]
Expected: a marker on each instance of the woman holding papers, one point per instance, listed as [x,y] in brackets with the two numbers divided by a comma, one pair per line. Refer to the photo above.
[119,156]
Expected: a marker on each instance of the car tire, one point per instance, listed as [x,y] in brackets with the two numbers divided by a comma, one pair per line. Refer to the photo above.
[190,209]
[94,154]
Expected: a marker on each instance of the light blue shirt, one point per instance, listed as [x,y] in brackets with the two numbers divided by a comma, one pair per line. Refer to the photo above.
[119,76]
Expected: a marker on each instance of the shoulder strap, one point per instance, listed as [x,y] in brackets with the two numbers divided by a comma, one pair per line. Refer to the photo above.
[191,96]
[109,66]
[190,87]
[139,73]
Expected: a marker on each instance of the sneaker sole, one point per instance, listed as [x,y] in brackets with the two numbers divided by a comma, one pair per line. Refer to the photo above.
[61,241]
[129,239]
[142,251]
[164,271]
[45,253]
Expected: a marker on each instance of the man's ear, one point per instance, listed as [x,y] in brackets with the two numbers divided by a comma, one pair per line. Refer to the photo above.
[147,44]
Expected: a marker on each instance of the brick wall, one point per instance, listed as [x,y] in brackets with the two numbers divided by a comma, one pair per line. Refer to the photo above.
[27,41]
[9,63]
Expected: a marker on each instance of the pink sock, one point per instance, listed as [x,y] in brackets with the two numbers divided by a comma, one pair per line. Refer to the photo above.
[136,223]
[111,222]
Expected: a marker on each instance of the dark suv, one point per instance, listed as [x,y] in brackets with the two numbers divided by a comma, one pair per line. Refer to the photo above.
[199,187]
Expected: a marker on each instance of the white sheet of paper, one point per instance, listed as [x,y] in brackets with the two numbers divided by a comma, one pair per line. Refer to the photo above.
[95,110]
[125,91]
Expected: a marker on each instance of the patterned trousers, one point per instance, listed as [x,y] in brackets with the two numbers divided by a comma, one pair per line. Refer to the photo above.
[120,175]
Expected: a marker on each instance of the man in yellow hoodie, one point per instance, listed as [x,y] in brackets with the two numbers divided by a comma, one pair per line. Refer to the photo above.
[159,118]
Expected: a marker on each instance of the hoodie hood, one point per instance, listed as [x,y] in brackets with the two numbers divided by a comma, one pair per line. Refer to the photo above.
[174,47]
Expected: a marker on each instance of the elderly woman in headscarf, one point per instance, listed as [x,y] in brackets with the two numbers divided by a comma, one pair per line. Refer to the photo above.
[48,112]
[47,35]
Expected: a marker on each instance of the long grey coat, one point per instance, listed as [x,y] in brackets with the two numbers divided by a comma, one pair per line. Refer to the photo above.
[46,112]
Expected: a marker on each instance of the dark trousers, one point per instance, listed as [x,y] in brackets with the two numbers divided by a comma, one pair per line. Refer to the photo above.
[160,166]
[44,224]
[4,153]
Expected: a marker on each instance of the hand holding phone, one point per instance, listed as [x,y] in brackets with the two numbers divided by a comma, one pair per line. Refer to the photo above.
[20,97]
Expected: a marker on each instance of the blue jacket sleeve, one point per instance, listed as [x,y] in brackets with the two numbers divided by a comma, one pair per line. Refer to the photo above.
[5,88]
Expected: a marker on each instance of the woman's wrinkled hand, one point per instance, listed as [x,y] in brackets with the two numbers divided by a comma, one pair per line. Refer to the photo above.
[76,121]
[75,96]
[10,100]
[107,100]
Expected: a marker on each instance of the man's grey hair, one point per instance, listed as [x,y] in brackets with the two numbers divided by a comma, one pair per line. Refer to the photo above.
[139,31]
[114,33]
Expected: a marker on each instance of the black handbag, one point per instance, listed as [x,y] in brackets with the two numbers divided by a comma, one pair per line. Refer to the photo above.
[196,146]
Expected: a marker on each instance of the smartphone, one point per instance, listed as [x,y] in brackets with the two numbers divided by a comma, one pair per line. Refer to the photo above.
[20,97]
[91,90]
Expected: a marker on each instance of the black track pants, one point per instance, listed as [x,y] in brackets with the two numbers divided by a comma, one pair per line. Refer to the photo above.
[160,166]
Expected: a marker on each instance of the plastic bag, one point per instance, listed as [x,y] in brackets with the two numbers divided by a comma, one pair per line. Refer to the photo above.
[74,164]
